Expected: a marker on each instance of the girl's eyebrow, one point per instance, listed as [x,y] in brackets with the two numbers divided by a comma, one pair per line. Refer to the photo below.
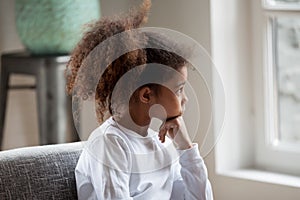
[180,84]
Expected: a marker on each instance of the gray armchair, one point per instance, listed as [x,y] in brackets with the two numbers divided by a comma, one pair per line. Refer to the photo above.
[41,172]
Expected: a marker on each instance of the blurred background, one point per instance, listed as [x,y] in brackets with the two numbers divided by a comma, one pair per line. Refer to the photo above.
[235,33]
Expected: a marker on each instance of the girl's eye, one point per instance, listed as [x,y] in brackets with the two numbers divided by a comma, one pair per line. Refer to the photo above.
[179,92]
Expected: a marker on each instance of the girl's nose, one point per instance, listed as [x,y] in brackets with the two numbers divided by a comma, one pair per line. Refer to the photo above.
[184,98]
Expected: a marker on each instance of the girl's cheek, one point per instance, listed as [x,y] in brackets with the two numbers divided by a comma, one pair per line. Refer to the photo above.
[177,107]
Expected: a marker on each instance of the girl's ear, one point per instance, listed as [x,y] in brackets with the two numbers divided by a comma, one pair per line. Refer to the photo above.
[146,95]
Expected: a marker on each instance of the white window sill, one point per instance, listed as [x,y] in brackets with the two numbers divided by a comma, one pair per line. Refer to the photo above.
[264,176]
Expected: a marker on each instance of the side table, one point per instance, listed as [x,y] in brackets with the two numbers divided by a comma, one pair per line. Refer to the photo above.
[54,107]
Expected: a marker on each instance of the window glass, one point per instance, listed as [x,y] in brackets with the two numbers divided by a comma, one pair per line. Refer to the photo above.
[287,61]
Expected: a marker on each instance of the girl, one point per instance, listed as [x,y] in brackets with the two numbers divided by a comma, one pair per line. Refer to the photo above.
[129,155]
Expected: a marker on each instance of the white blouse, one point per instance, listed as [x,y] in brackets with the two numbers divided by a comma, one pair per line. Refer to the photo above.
[117,163]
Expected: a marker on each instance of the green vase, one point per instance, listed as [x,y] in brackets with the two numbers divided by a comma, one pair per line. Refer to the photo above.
[53,26]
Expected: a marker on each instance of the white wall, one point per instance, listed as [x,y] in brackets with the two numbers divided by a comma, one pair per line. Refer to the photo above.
[191,18]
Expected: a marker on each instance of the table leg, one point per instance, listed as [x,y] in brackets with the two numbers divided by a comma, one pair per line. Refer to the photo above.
[4,78]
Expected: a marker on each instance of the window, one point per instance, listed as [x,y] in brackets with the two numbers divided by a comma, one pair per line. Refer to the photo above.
[279,141]
[251,147]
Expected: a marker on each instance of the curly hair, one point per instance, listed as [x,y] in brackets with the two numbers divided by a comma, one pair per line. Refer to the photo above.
[100,31]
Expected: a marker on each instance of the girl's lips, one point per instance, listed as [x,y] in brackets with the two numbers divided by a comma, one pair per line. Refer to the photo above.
[174,117]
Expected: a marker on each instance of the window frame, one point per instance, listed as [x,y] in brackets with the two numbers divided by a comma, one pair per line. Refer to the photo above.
[272,154]
[271,5]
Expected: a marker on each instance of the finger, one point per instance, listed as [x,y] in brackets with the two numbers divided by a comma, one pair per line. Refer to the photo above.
[162,134]
[172,131]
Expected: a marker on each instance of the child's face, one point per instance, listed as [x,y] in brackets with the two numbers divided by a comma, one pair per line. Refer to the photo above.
[173,98]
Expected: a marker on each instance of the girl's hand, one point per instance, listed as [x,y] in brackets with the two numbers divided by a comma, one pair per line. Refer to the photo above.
[176,130]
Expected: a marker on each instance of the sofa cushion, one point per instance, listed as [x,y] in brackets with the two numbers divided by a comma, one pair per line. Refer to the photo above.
[42,172]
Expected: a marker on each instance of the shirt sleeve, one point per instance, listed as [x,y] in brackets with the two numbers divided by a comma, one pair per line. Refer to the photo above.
[85,189]
[191,180]
[102,171]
